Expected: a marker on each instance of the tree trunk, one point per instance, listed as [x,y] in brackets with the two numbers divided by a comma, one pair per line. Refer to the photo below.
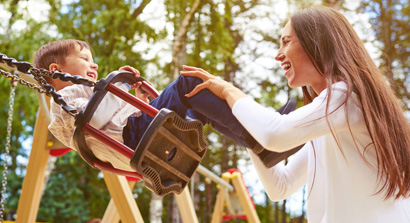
[13,10]
[180,41]
[50,166]
[284,203]
[388,48]
[302,217]
[268,209]
[225,154]
[284,211]
[195,196]
[176,218]
[155,208]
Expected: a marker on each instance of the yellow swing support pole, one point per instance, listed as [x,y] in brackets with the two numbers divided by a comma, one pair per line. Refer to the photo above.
[30,197]
[33,182]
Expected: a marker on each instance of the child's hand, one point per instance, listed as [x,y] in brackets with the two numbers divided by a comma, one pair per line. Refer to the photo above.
[139,93]
[131,69]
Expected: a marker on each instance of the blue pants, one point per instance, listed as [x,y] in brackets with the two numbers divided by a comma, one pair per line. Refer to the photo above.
[204,106]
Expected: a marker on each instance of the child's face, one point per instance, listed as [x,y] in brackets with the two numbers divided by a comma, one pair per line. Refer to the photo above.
[78,62]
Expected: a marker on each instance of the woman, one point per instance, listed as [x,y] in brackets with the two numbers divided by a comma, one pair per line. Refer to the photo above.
[356,160]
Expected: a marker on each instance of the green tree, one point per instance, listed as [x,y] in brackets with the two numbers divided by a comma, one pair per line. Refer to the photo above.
[390,22]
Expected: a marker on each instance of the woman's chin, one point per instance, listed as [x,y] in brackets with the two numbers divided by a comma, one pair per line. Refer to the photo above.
[290,83]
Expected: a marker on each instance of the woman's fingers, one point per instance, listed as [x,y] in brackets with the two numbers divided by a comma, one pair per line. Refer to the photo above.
[211,82]
[222,89]
[190,68]
[216,86]
[196,72]
[197,89]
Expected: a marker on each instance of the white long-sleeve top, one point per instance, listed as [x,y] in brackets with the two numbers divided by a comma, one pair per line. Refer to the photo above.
[111,116]
[341,186]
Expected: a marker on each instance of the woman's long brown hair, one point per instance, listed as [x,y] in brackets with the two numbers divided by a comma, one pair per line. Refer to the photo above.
[339,55]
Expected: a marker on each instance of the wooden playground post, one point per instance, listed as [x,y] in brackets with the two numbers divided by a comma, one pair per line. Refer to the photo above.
[223,200]
[245,199]
[186,207]
[123,199]
[30,197]
[111,213]
[220,203]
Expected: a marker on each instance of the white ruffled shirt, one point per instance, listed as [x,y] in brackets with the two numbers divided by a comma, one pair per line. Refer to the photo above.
[341,186]
[111,117]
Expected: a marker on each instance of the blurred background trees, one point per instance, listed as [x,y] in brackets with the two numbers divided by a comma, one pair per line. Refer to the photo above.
[235,39]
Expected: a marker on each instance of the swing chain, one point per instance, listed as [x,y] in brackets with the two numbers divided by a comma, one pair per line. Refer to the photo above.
[39,73]
[21,81]
[43,87]
[8,143]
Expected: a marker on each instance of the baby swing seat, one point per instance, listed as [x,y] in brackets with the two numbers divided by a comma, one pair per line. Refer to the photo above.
[167,155]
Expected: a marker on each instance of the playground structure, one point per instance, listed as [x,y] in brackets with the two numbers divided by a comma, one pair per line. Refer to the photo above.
[122,205]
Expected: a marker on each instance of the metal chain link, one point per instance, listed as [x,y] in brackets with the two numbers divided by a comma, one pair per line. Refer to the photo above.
[8,143]
[23,82]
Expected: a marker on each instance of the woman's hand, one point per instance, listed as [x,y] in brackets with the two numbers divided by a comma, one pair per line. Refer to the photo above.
[219,87]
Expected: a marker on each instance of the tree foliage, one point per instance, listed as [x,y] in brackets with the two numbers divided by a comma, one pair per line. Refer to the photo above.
[391,21]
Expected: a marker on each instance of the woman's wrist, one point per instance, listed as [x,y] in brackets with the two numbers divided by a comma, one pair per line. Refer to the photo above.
[233,94]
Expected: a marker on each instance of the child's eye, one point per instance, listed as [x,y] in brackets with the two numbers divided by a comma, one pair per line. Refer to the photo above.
[84,58]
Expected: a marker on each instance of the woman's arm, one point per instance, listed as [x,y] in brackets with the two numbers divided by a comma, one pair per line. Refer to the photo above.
[278,132]
[281,181]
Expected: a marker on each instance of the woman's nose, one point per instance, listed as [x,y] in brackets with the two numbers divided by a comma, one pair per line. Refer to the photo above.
[280,56]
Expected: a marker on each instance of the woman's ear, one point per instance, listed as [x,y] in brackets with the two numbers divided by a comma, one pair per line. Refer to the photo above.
[54,67]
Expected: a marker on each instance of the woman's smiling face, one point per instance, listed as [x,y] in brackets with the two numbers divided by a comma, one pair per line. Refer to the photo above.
[299,69]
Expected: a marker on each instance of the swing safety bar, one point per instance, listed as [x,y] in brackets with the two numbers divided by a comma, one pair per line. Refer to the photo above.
[104,138]
[215,178]
[169,151]
[100,135]
[136,102]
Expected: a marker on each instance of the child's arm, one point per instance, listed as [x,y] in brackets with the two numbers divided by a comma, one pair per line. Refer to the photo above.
[108,107]
[111,103]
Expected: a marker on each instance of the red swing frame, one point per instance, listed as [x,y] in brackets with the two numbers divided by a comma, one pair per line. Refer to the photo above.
[114,144]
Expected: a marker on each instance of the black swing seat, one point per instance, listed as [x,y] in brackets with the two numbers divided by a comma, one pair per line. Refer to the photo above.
[169,152]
